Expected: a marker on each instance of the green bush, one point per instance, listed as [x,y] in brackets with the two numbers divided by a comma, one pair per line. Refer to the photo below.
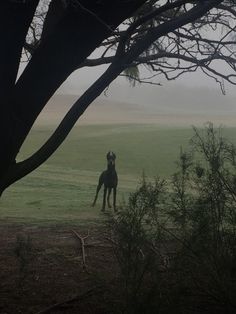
[138,247]
[208,251]
[176,243]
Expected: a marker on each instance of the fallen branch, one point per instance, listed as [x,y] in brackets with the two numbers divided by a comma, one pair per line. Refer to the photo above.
[82,246]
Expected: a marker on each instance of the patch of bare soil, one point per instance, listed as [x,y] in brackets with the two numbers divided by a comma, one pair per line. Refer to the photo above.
[43,269]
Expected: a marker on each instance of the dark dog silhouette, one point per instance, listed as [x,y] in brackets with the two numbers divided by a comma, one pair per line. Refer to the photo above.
[109,179]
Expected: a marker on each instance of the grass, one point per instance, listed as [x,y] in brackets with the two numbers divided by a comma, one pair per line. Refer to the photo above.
[63,188]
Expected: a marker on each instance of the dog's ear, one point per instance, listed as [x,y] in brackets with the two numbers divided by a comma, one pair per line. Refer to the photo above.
[111,155]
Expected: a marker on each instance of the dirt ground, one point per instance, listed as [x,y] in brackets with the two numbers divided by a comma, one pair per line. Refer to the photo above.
[43,266]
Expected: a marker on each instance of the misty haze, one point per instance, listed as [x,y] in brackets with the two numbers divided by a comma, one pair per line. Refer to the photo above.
[177,105]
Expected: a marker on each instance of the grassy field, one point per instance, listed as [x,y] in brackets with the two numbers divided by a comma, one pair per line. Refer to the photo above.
[63,188]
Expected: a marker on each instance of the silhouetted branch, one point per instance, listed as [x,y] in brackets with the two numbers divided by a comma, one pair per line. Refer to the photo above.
[116,68]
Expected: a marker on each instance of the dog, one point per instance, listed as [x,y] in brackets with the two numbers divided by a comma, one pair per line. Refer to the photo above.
[109,179]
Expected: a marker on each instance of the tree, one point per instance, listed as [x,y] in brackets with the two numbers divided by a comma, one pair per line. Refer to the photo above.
[169,37]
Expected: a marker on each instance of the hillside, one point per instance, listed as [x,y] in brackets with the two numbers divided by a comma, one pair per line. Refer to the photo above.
[162,107]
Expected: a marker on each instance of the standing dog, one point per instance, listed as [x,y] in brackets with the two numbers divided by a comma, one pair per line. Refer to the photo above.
[109,179]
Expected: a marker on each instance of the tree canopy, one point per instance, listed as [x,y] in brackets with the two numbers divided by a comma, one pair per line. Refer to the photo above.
[57,37]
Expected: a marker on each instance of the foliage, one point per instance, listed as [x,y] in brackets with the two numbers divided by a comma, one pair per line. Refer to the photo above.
[138,247]
[193,225]
[209,251]
[181,200]
[132,74]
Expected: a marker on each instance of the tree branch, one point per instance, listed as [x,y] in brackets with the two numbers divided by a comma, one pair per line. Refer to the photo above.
[119,64]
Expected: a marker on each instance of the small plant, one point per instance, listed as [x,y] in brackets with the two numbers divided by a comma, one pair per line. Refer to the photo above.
[181,195]
[208,252]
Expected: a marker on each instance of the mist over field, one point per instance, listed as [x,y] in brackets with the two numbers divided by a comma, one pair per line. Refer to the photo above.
[180,106]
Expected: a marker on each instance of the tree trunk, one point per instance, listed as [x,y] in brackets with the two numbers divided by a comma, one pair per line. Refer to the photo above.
[15,18]
[77,34]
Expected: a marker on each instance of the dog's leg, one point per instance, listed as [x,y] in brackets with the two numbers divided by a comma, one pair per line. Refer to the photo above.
[114,198]
[108,198]
[96,196]
[100,183]
[104,198]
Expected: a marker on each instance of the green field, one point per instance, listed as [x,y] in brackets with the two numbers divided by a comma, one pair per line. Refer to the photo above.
[63,188]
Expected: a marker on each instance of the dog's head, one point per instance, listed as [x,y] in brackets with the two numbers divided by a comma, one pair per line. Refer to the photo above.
[111,157]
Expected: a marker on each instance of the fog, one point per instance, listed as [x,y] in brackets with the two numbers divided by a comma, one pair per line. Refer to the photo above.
[194,98]
[192,93]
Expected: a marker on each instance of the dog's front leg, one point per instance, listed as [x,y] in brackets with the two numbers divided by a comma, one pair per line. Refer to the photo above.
[104,198]
[108,198]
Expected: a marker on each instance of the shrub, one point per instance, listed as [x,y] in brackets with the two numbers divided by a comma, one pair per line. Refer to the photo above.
[176,245]
[138,247]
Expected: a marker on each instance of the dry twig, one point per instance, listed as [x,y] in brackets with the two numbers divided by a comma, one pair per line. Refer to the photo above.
[82,246]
